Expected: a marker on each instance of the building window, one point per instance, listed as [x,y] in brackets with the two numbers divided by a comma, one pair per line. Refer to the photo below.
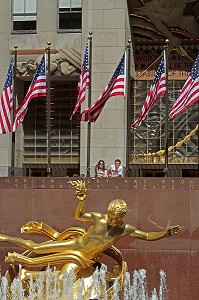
[190,173]
[151,173]
[64,134]
[147,140]
[70,15]
[24,15]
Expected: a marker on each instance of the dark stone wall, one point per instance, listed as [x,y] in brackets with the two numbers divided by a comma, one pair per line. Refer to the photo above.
[154,204]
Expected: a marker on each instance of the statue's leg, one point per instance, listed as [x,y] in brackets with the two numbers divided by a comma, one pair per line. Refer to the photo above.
[27,244]
[40,248]
[41,261]
[16,259]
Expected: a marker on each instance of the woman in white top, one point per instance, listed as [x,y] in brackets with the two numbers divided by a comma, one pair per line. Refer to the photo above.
[100,169]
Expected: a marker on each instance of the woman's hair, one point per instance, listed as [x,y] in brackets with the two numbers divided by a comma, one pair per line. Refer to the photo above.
[118,207]
[98,164]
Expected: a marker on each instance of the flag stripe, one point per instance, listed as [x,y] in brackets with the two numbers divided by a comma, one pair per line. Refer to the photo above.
[36,89]
[189,93]
[187,99]
[157,89]
[115,87]
[6,103]
[84,81]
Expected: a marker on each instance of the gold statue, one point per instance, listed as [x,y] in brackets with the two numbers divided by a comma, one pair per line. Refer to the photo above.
[77,248]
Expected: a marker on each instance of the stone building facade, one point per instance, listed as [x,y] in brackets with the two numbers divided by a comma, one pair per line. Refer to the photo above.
[66,24]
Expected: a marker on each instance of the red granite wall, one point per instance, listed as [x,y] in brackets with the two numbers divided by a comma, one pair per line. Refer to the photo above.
[154,203]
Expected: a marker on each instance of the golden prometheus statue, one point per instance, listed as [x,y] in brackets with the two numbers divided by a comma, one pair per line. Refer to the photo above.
[77,249]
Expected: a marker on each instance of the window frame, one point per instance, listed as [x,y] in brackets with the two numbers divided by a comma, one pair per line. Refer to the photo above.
[60,30]
[146,145]
[23,31]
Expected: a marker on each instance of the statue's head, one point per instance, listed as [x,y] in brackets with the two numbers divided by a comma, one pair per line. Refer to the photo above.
[118,207]
[116,211]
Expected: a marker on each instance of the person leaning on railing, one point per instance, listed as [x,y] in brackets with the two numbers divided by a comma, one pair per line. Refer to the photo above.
[100,169]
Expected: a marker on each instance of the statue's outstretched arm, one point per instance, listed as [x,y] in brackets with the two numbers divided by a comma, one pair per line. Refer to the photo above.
[153,236]
[80,188]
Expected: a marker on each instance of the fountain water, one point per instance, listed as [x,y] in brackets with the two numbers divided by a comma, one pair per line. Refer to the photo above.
[48,287]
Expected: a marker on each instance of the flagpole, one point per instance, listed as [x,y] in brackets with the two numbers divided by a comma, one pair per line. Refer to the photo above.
[166,110]
[89,103]
[12,171]
[128,97]
[48,114]
[198,140]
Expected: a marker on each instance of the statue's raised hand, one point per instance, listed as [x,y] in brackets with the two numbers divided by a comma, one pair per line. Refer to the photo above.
[171,230]
[80,188]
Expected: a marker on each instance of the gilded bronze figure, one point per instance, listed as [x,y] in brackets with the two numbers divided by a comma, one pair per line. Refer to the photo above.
[77,248]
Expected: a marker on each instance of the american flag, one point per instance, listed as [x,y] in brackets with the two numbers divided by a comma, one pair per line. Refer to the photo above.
[83,82]
[6,103]
[157,89]
[36,89]
[189,93]
[116,87]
